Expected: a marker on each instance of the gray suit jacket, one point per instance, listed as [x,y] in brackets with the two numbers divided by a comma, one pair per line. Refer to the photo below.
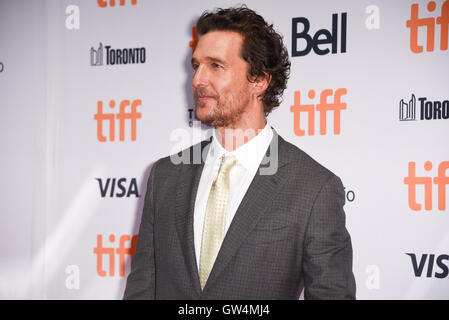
[288,234]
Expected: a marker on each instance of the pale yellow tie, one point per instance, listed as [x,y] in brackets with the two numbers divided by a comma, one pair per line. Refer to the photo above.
[215,219]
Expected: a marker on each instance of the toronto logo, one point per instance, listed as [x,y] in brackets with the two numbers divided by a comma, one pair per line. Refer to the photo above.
[116,56]
[428,109]
[407,111]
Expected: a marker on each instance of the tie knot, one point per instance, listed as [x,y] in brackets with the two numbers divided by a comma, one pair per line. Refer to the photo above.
[227,162]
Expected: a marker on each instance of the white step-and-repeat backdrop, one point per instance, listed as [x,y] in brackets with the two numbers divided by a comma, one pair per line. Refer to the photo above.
[93,92]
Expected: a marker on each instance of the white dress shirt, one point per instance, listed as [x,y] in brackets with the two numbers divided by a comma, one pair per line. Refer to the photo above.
[249,156]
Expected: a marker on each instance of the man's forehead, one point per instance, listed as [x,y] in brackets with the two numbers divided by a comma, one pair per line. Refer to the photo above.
[217,44]
[221,34]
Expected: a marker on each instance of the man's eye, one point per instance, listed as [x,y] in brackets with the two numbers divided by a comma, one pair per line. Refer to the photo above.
[216,65]
[194,66]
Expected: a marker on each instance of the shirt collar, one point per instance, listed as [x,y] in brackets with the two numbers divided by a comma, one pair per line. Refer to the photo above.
[248,155]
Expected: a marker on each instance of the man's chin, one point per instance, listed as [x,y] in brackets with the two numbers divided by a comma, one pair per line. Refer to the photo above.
[208,119]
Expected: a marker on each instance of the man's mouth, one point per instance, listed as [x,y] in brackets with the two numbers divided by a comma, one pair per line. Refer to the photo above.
[202,95]
[204,98]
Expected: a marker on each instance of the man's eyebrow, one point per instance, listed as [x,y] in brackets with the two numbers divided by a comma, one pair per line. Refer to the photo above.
[210,59]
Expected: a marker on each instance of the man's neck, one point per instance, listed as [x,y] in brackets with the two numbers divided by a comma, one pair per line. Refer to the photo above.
[233,138]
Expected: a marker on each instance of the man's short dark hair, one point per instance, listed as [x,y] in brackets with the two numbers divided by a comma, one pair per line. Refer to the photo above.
[262,47]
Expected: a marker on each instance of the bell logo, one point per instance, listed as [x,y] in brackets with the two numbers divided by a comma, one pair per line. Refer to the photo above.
[441,180]
[121,251]
[104,3]
[429,23]
[323,107]
[121,116]
[321,38]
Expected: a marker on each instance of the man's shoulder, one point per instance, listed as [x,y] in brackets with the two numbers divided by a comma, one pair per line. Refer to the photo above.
[304,164]
[299,160]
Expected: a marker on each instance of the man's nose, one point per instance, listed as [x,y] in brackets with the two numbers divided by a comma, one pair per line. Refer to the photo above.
[200,79]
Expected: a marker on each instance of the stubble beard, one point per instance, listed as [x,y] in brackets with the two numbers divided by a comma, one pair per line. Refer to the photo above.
[226,113]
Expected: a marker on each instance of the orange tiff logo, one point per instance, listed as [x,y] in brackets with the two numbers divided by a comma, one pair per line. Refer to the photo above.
[104,3]
[336,106]
[441,180]
[429,23]
[194,41]
[110,252]
[121,116]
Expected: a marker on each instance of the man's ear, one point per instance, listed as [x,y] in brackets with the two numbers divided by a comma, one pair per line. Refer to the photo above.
[261,83]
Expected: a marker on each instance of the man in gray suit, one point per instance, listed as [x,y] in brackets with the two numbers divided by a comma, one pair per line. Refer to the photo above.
[245,214]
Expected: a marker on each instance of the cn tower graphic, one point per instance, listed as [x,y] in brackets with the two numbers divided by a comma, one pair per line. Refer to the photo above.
[96,56]
[407,111]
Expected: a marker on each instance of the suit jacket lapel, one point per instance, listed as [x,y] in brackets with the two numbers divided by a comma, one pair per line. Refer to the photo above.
[186,190]
[260,193]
